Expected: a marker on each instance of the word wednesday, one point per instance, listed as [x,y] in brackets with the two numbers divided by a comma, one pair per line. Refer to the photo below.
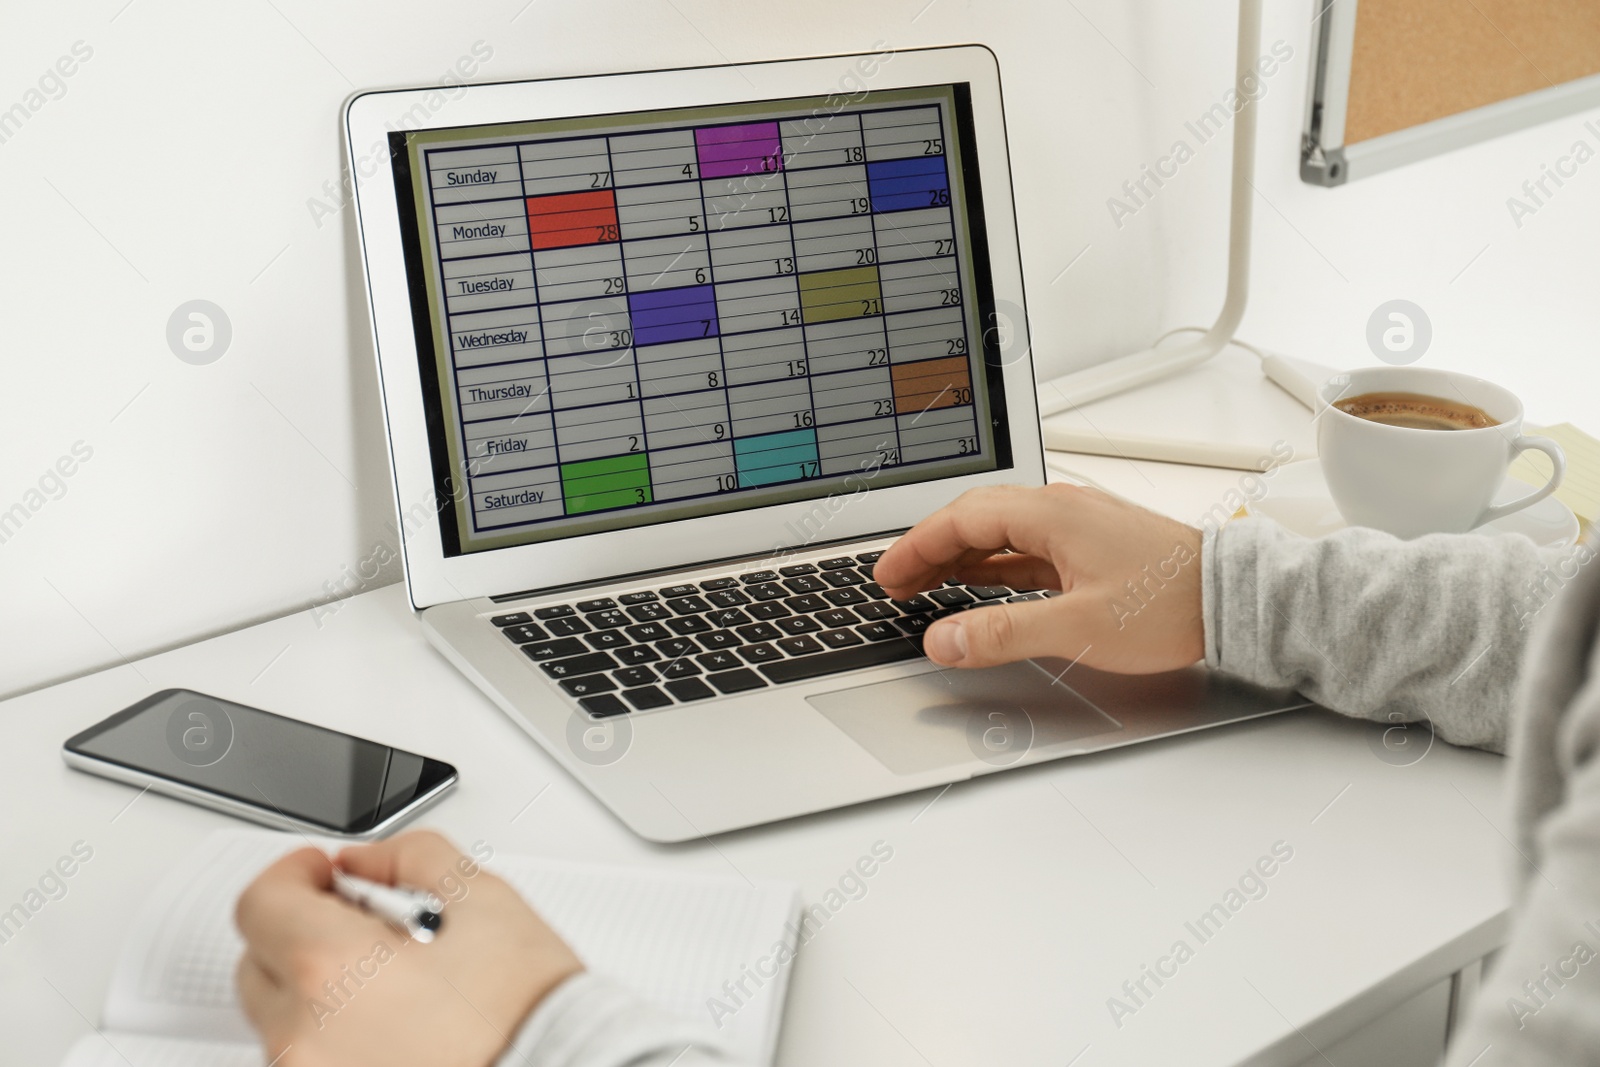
[1252,885]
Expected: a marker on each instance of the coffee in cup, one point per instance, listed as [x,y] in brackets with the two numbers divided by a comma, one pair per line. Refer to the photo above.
[1414,450]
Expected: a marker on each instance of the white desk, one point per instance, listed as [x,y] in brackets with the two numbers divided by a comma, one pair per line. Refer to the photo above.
[1013,907]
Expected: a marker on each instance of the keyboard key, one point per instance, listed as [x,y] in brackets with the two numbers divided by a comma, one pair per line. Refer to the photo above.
[565,627]
[559,649]
[728,598]
[646,698]
[588,684]
[516,618]
[713,584]
[643,596]
[800,646]
[914,605]
[878,631]
[628,677]
[759,577]
[845,659]
[836,562]
[805,605]
[799,624]
[760,631]
[913,624]
[720,639]
[608,619]
[554,611]
[839,638]
[767,611]
[603,705]
[841,597]
[689,624]
[875,591]
[869,557]
[762,653]
[690,689]
[873,610]
[1024,597]
[688,605]
[865,572]
[633,655]
[838,579]
[525,632]
[607,639]
[673,591]
[989,592]
[673,647]
[837,617]
[769,591]
[951,598]
[718,661]
[727,617]
[795,570]
[803,584]
[574,666]
[737,681]
[648,631]
[681,668]
[603,604]
[649,612]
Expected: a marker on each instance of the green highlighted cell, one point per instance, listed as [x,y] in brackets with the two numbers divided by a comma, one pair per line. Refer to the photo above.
[612,482]
[829,295]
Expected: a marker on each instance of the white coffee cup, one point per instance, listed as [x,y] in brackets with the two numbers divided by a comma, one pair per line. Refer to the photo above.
[1411,482]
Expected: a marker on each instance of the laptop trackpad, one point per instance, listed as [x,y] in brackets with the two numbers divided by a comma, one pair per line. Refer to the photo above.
[943,718]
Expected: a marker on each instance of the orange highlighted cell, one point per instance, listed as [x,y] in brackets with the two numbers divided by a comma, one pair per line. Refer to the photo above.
[564,220]
[931,384]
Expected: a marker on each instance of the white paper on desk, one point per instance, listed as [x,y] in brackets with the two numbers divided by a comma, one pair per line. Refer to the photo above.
[673,938]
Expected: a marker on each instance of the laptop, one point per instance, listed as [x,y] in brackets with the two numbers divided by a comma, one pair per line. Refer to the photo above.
[667,360]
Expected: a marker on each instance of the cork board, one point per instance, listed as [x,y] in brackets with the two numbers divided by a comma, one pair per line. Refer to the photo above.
[1414,61]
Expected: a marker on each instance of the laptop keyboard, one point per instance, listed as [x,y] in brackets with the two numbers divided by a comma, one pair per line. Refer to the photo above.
[652,648]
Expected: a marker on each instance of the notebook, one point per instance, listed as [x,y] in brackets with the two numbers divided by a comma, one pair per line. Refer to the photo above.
[674,938]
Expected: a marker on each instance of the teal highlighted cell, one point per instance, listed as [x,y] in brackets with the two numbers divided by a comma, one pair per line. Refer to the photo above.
[776,457]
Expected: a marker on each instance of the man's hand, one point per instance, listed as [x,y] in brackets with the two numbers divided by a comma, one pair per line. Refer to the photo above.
[1129,578]
[325,983]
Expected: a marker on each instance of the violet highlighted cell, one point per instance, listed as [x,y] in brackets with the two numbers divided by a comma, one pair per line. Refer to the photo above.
[728,151]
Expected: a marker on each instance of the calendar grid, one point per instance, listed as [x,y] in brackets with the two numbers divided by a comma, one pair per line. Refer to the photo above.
[790,329]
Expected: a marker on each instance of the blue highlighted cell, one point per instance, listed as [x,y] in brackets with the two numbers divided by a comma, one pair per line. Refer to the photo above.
[904,184]
[776,457]
[659,316]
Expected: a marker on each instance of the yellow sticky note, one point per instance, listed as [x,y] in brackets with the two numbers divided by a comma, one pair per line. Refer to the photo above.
[1580,489]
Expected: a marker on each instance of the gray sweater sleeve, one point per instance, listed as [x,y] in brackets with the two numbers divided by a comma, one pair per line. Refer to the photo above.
[1539,1005]
[1429,630]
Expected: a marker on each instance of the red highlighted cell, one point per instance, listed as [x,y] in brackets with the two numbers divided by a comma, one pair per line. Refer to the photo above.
[565,220]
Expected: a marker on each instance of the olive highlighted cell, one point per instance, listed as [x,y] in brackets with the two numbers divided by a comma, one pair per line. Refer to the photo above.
[830,295]
[612,482]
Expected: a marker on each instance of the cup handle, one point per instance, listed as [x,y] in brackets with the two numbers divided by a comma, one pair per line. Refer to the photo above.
[1558,460]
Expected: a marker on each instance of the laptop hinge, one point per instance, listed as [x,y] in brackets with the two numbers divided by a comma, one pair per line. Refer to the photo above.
[777,558]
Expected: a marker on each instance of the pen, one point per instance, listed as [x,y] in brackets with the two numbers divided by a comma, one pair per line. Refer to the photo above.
[412,910]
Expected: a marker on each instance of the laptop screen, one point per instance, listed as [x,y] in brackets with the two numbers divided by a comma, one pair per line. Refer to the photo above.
[630,319]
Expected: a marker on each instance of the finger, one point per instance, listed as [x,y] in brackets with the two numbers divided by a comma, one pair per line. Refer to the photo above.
[1015,570]
[1004,633]
[992,518]
[934,578]
[291,904]
[264,1000]
[420,859]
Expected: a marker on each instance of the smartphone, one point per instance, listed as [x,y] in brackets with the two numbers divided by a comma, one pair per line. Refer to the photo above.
[273,770]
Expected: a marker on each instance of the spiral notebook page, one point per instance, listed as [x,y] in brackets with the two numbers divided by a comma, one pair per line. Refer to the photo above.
[675,939]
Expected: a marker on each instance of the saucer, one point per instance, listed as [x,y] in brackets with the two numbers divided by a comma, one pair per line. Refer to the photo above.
[1297,499]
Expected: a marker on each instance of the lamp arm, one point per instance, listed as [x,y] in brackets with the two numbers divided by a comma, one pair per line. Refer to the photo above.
[1139,368]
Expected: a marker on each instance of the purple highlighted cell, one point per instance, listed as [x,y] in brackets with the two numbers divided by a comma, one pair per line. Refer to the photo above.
[665,315]
[728,151]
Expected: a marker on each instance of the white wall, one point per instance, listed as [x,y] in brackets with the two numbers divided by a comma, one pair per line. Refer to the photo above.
[181,158]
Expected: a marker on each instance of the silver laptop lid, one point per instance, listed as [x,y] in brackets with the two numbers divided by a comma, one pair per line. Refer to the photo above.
[632,322]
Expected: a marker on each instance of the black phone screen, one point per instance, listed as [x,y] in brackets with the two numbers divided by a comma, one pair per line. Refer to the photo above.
[344,783]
